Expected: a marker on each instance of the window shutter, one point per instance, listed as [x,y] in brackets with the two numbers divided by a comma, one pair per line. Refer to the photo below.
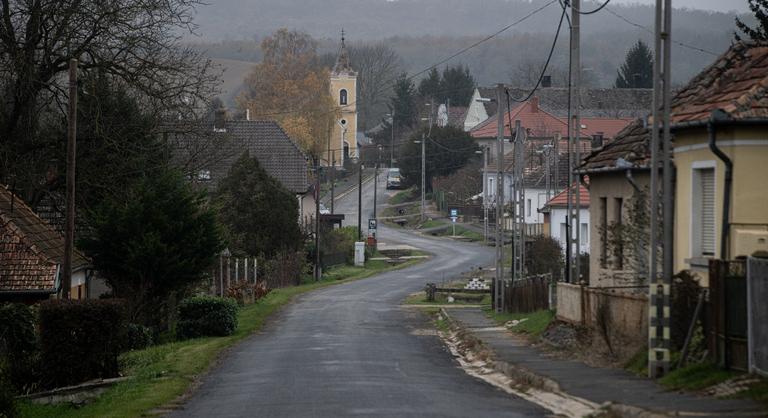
[707,182]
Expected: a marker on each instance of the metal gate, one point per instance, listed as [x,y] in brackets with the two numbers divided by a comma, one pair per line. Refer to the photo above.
[757,314]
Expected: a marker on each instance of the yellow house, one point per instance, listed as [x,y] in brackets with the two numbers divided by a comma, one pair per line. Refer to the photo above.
[344,91]
[720,134]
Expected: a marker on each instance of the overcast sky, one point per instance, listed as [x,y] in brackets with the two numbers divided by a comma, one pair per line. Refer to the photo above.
[719,5]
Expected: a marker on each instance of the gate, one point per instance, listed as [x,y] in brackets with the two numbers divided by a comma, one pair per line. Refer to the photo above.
[757,315]
[529,294]
[728,313]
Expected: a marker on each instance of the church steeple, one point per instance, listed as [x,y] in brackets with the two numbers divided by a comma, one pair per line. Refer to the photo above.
[342,60]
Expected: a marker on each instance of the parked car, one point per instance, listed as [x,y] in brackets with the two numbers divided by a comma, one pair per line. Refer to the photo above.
[394,179]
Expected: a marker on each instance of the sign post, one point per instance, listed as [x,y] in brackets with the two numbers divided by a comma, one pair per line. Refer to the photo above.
[454,215]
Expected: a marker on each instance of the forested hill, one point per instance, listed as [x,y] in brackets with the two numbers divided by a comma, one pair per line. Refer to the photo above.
[425,31]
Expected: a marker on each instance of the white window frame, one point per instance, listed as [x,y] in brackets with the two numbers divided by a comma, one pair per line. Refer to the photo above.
[693,240]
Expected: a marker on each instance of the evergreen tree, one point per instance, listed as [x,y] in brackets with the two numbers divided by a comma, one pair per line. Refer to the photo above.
[457,85]
[261,215]
[759,33]
[155,239]
[429,87]
[637,70]
[404,102]
[448,150]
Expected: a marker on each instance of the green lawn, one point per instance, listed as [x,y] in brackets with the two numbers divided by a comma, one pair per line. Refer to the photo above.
[536,323]
[164,372]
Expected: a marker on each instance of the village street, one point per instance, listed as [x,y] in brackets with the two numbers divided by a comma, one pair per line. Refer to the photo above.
[352,350]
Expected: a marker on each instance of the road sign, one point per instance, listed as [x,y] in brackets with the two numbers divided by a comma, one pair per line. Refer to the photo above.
[372,224]
[453,219]
[454,213]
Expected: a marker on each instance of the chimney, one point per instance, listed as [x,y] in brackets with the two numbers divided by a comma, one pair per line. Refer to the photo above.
[534,104]
[546,81]
[219,118]
[597,140]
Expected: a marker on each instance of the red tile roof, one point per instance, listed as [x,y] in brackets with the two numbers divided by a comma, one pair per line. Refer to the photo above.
[30,250]
[737,82]
[631,145]
[541,123]
[561,199]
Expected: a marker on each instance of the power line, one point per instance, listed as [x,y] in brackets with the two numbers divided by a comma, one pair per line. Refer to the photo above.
[645,28]
[543,70]
[591,11]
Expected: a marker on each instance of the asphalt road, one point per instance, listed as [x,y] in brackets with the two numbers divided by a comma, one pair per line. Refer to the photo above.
[351,350]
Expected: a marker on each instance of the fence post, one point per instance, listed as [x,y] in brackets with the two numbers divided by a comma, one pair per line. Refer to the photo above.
[229,272]
[255,270]
[221,275]
[245,270]
[237,270]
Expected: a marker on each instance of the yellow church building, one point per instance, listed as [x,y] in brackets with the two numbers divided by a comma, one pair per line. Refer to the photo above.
[343,140]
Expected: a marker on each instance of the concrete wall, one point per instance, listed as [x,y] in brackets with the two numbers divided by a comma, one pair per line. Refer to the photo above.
[748,149]
[626,315]
[604,269]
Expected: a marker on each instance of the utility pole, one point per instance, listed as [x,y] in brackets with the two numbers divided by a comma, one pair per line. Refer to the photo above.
[333,178]
[518,199]
[360,202]
[318,268]
[423,174]
[69,234]
[574,201]
[659,289]
[498,288]
[485,195]
[392,148]
[376,181]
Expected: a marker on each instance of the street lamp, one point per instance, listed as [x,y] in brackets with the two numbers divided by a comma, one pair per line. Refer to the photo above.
[485,195]
[423,173]
[392,146]
[360,201]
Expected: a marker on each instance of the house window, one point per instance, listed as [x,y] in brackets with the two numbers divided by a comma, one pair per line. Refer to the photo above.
[618,252]
[343,96]
[603,232]
[703,212]
[584,238]
[528,207]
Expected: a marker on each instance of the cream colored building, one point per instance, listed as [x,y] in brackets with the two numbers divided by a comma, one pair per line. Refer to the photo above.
[720,128]
[344,93]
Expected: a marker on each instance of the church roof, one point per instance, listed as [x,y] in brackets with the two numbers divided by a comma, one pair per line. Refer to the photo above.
[342,66]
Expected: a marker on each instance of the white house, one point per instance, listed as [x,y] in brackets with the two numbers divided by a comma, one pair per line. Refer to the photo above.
[555,214]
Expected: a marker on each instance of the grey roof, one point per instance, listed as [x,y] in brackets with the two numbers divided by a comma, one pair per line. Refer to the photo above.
[612,102]
[214,152]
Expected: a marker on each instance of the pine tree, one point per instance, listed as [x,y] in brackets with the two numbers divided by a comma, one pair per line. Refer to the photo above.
[759,33]
[429,87]
[457,86]
[637,70]
[404,102]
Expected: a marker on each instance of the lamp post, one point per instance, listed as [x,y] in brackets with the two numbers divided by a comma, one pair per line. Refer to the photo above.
[423,142]
[360,203]
[485,195]
[376,180]
[392,146]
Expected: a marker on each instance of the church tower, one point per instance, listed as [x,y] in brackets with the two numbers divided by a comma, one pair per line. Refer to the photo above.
[344,92]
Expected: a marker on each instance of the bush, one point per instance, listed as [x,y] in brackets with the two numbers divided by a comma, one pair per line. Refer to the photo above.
[137,336]
[18,344]
[204,316]
[8,408]
[81,339]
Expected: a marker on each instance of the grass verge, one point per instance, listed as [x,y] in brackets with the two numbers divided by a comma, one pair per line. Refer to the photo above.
[697,377]
[164,372]
[534,325]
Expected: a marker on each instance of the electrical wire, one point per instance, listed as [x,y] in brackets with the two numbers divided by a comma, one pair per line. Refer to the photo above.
[649,30]
[591,11]
[546,64]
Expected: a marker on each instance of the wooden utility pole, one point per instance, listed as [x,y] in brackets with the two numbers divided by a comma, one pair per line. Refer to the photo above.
[498,288]
[69,232]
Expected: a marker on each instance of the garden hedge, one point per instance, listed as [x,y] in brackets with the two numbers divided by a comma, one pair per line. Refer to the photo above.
[81,339]
[18,344]
[204,316]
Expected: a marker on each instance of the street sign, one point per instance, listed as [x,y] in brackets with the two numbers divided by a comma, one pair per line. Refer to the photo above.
[453,219]
[372,224]
[454,213]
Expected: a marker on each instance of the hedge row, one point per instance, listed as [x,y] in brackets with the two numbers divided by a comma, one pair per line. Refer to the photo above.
[206,316]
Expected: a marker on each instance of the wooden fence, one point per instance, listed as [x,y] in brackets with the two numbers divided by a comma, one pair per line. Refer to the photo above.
[530,294]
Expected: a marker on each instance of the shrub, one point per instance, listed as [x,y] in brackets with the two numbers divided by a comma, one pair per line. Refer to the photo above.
[8,408]
[137,336]
[203,316]
[18,344]
[81,339]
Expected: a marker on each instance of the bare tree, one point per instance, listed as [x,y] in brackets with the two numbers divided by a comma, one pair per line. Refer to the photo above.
[136,41]
[377,66]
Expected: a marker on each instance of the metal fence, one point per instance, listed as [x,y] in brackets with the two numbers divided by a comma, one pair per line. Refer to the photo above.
[530,294]
[757,315]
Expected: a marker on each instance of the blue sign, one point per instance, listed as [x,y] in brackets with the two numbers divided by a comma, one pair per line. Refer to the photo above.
[454,213]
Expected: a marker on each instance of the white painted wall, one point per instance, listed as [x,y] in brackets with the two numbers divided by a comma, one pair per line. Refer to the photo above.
[476,112]
[557,219]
